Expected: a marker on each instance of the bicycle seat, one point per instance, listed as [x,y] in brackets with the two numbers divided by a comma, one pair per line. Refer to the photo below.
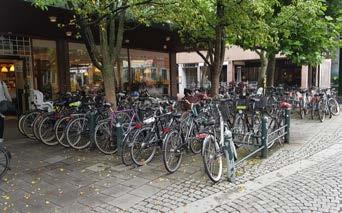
[285,105]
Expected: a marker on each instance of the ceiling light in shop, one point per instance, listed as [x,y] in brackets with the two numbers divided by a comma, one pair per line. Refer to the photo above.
[165,46]
[53,19]
[69,33]
[168,38]
[4,69]
[12,68]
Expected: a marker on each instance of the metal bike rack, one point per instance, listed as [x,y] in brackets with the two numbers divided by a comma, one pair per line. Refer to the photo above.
[263,146]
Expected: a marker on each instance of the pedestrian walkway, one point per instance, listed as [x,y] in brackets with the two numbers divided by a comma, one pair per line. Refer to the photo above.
[311,185]
[55,179]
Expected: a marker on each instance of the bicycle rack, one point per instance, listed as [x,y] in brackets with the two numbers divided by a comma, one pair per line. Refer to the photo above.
[263,146]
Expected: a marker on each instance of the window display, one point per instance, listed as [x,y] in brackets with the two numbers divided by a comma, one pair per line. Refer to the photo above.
[45,67]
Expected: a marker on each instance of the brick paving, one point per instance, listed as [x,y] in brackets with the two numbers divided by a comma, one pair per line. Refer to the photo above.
[55,179]
[315,189]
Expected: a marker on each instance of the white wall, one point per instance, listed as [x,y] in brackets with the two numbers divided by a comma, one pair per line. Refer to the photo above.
[233,53]
[325,74]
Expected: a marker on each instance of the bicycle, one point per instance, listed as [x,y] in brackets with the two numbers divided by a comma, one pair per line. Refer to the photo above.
[148,138]
[216,147]
[183,138]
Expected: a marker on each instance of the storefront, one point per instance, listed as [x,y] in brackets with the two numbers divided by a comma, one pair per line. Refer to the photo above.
[286,73]
[36,54]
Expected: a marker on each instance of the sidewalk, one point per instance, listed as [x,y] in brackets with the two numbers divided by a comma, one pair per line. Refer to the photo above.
[55,179]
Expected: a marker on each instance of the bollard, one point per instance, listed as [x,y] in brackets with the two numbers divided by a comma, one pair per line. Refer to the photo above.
[119,136]
[264,137]
[287,123]
[229,150]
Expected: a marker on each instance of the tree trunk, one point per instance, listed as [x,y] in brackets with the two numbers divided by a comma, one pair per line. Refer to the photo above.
[118,74]
[262,73]
[271,69]
[109,84]
[203,75]
[220,47]
[215,81]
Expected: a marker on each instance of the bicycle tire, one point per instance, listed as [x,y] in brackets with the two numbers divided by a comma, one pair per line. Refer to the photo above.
[78,125]
[334,106]
[21,123]
[60,131]
[301,109]
[35,127]
[321,111]
[125,151]
[47,125]
[195,144]
[28,124]
[143,137]
[104,138]
[170,150]
[211,150]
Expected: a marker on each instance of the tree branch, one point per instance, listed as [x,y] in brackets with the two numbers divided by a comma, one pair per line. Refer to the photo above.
[203,57]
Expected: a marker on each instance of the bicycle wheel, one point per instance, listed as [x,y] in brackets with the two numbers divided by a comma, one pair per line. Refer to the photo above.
[271,103]
[212,158]
[334,106]
[104,138]
[195,143]
[35,127]
[301,109]
[125,151]
[321,110]
[46,131]
[4,162]
[21,124]
[78,133]
[172,153]
[143,147]
[27,125]
[60,129]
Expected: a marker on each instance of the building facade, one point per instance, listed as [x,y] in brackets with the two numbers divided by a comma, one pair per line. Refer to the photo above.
[35,53]
[244,65]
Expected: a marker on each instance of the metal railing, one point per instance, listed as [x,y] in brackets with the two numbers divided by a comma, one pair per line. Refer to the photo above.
[263,146]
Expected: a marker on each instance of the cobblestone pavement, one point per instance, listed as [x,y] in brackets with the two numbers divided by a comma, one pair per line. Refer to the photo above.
[315,189]
[54,179]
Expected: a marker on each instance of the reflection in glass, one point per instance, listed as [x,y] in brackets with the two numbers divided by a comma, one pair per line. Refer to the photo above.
[45,67]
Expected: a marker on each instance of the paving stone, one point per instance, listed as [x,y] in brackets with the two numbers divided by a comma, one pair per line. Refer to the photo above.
[117,190]
[135,182]
[55,159]
[145,191]
[126,201]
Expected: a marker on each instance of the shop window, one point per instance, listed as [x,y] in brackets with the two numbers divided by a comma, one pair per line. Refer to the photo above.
[149,71]
[45,67]
[83,75]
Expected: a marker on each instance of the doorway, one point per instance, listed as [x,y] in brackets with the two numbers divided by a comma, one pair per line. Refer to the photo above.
[12,73]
